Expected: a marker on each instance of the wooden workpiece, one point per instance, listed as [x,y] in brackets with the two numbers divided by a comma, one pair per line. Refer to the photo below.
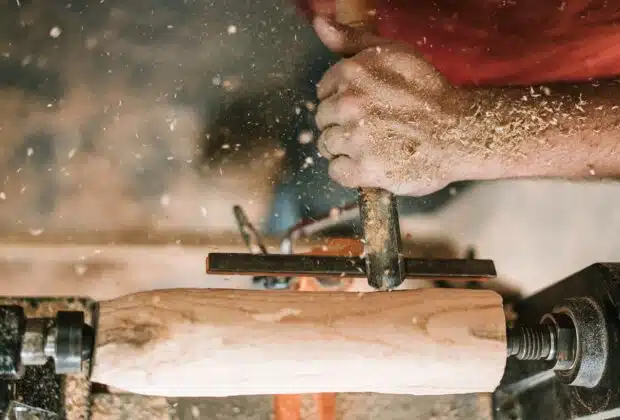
[190,342]
[105,265]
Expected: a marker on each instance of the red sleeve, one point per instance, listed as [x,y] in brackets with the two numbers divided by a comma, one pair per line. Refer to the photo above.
[491,42]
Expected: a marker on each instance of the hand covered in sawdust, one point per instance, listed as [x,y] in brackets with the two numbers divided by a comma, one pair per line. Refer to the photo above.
[382,113]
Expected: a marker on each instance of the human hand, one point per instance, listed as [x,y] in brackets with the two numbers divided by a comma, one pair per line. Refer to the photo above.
[383,115]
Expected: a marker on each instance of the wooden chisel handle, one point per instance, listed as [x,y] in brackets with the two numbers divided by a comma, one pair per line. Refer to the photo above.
[378,211]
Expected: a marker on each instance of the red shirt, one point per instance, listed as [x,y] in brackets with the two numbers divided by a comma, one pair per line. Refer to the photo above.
[503,42]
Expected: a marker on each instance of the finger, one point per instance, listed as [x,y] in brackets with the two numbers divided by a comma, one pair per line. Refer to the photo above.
[345,171]
[340,77]
[336,141]
[343,109]
[343,39]
[419,191]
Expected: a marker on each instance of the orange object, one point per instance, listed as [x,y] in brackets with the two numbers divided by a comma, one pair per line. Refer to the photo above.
[288,407]
[334,247]
[326,405]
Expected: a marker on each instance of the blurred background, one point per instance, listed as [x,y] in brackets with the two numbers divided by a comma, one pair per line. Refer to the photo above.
[164,111]
[161,115]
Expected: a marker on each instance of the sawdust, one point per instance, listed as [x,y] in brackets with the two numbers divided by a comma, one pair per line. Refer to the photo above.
[498,133]
[134,407]
[512,128]
[76,394]
[376,231]
[401,407]
[109,115]
[277,316]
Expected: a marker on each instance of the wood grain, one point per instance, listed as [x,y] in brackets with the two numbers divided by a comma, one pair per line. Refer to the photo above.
[188,342]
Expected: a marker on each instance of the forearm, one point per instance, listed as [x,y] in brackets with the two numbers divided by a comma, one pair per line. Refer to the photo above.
[570,131]
[390,120]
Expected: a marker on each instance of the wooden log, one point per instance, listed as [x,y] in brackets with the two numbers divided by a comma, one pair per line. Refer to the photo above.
[190,342]
[105,265]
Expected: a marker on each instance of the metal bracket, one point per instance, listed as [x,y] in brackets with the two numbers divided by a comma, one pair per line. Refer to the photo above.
[49,343]
[588,387]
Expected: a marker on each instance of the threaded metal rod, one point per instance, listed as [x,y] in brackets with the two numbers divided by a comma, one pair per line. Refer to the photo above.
[532,343]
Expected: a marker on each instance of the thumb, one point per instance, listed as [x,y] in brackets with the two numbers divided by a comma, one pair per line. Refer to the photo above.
[344,39]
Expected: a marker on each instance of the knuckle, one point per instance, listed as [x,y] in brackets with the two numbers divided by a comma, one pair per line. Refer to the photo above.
[433,80]
[380,54]
[381,49]
[350,104]
[351,69]
[371,52]
[406,55]
[323,148]
[333,142]
[329,136]
[323,137]
[359,137]
[421,68]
